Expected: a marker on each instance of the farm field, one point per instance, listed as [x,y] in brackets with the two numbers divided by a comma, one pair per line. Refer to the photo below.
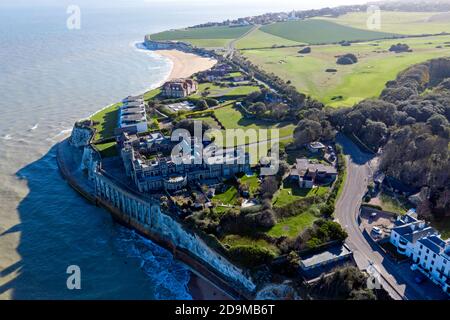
[407,23]
[261,39]
[351,83]
[316,31]
[203,37]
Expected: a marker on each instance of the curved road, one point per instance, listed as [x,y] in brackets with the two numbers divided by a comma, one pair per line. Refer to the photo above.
[366,253]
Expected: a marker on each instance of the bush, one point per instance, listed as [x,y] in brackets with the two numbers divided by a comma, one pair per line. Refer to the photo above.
[251,256]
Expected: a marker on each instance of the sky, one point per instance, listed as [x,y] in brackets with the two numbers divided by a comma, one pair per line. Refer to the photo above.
[277,5]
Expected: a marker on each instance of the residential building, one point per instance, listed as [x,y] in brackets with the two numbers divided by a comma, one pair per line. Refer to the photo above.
[309,173]
[179,88]
[152,165]
[423,244]
[315,264]
[132,116]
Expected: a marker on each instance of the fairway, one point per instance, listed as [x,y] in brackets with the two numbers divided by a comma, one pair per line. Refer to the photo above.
[351,83]
[318,31]
[409,23]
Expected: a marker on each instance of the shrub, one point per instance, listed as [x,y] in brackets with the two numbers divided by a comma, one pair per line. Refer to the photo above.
[251,256]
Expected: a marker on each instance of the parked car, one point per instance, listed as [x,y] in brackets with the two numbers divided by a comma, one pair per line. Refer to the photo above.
[377,231]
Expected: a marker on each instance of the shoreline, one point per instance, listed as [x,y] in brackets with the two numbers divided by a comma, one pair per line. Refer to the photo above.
[185,64]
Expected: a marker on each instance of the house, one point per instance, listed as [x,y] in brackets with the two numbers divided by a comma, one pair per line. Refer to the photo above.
[420,242]
[315,264]
[132,116]
[309,174]
[179,88]
[315,147]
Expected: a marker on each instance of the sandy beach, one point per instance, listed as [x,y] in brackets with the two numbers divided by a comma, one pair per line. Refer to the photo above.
[186,64]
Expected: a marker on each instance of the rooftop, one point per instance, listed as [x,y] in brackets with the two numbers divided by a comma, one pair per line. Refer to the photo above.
[324,257]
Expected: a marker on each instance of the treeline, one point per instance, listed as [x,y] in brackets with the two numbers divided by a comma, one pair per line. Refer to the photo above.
[410,123]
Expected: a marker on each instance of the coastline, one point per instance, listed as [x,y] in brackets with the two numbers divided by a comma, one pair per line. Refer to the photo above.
[185,64]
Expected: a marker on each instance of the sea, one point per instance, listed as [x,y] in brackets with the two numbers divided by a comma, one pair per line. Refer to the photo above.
[52,75]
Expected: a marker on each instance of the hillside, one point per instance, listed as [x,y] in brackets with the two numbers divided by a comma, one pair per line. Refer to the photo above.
[407,23]
[320,31]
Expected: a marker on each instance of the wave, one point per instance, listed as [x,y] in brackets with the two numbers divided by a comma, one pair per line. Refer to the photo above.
[34,127]
[7,137]
[170,276]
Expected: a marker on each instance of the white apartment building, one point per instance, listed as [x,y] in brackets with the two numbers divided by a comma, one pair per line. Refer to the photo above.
[422,243]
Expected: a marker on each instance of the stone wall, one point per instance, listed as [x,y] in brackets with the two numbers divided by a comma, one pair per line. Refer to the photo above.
[144,214]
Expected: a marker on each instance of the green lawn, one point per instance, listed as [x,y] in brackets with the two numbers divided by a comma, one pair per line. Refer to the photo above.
[107,150]
[229,197]
[152,94]
[353,83]
[238,240]
[202,33]
[293,226]
[252,183]
[232,118]
[317,31]
[290,193]
[107,121]
[410,23]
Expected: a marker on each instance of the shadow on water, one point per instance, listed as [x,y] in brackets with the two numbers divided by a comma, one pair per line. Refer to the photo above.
[59,228]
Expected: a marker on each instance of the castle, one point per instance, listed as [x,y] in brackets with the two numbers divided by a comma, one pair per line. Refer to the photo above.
[153,165]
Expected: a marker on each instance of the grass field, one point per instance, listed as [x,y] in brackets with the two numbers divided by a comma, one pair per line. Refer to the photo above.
[408,23]
[365,79]
[238,240]
[261,39]
[293,226]
[316,31]
[203,37]
[232,118]
[289,194]
[107,121]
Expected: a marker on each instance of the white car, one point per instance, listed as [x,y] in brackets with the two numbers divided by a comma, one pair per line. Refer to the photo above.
[377,231]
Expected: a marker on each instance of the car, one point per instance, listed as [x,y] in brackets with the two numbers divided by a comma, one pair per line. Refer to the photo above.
[377,231]
[373,215]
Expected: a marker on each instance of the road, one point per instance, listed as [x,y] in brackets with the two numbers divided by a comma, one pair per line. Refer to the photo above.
[231,45]
[359,169]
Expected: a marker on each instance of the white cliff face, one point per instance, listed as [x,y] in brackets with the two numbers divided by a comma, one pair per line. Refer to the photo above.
[149,216]
[89,161]
[80,137]
[174,231]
